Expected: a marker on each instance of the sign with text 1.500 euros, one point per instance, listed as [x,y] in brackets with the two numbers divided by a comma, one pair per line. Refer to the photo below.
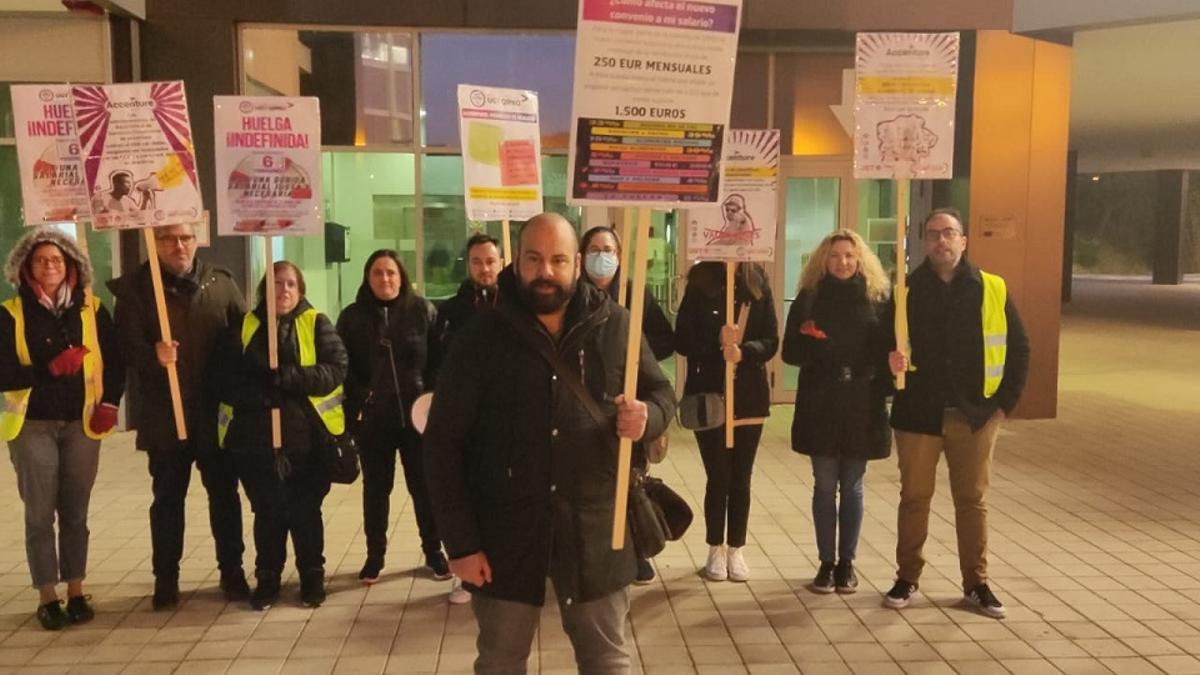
[138,158]
[904,105]
[48,154]
[502,152]
[268,152]
[653,85]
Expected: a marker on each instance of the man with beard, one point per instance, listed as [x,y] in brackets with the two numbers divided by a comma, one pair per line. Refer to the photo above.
[478,291]
[521,475]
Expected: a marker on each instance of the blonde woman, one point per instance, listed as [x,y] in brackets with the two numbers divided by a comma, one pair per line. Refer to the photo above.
[833,334]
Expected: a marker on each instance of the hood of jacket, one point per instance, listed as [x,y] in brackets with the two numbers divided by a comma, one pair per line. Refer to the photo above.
[46,235]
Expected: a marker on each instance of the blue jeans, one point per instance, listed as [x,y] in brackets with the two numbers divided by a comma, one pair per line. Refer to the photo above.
[831,475]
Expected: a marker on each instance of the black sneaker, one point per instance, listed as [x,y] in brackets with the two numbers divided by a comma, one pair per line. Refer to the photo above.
[645,573]
[902,591]
[981,596]
[266,592]
[436,562]
[166,593]
[52,616]
[823,582]
[79,610]
[234,585]
[312,588]
[371,569]
[844,577]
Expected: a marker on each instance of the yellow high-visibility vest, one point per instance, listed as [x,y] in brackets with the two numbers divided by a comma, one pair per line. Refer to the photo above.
[328,407]
[16,403]
[995,332]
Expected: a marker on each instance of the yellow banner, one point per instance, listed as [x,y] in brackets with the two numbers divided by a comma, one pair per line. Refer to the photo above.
[929,86]
[655,149]
[636,133]
[750,172]
[512,194]
[666,125]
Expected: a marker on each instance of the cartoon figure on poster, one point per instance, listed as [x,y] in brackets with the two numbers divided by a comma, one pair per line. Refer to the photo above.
[738,230]
[905,138]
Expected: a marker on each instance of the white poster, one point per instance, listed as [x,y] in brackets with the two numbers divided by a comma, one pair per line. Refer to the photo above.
[653,86]
[268,157]
[904,105]
[501,151]
[743,226]
[52,183]
[138,158]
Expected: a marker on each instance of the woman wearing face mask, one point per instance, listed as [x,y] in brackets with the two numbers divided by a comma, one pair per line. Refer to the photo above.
[602,268]
[386,331]
[53,347]
[833,334]
[286,486]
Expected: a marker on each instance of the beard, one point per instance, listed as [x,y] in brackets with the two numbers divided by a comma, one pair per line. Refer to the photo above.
[548,303]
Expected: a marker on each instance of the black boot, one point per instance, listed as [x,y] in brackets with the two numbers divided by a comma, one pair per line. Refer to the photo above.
[312,587]
[266,592]
[234,585]
[166,592]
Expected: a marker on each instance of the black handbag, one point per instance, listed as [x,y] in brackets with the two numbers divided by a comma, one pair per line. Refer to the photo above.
[699,412]
[648,525]
[341,458]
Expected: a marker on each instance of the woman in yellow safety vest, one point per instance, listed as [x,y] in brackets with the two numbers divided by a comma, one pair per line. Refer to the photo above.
[62,377]
[286,485]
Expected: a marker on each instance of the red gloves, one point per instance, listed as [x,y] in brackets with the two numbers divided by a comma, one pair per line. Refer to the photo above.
[68,361]
[104,418]
[810,329]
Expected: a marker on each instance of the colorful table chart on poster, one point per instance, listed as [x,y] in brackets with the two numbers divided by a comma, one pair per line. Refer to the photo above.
[138,158]
[653,84]
[743,226]
[52,185]
[502,152]
[268,158]
[904,107]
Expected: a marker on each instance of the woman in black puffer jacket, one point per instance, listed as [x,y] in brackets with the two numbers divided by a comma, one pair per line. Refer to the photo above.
[286,486]
[701,336]
[386,331]
[834,335]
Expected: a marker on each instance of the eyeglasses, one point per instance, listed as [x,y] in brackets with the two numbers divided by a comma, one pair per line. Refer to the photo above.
[177,239]
[947,233]
[48,260]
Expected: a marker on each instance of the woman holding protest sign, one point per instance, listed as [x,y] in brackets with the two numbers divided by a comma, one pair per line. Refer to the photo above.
[834,335]
[703,336]
[63,375]
[286,485]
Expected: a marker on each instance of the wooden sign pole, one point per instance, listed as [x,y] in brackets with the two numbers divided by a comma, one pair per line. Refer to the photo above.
[272,338]
[901,290]
[626,250]
[632,359]
[506,242]
[164,329]
[730,319]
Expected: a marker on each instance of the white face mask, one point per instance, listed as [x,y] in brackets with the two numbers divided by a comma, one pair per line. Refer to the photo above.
[601,264]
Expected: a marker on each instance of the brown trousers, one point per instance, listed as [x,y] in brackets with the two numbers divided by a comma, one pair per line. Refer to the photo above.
[969,459]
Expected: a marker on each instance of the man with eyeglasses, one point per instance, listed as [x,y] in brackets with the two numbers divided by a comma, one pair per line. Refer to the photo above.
[969,361]
[202,300]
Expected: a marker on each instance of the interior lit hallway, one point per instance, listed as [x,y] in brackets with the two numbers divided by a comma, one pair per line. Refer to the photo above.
[1095,550]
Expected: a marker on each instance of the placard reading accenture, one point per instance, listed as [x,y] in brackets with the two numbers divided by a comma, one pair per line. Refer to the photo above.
[743,226]
[904,107]
[268,157]
[52,185]
[653,84]
[138,160]
[501,151]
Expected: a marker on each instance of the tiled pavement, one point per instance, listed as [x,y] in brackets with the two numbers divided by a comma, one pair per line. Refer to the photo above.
[1095,550]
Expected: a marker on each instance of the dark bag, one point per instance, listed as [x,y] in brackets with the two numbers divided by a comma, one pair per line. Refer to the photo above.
[699,412]
[647,519]
[675,510]
[341,458]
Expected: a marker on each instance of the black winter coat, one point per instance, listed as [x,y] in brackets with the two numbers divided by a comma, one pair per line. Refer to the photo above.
[842,388]
[452,314]
[655,325]
[199,308]
[698,337]
[370,390]
[947,353]
[57,398]
[252,388]
[515,465]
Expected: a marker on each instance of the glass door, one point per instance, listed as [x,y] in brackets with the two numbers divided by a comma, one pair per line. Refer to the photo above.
[815,198]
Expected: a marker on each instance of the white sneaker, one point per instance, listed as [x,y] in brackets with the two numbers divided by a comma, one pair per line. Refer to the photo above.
[458,594]
[738,571]
[716,568]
